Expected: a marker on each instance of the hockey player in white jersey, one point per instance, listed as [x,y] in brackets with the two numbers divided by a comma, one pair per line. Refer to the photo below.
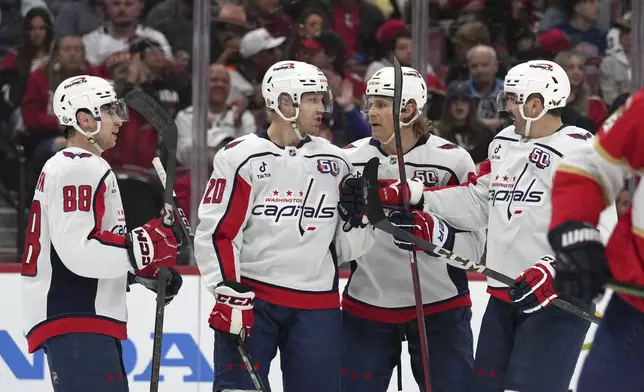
[522,346]
[270,240]
[78,253]
[378,302]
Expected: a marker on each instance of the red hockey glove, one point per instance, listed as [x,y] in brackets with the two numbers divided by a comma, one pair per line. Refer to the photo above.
[233,312]
[534,288]
[148,278]
[390,192]
[153,243]
[426,226]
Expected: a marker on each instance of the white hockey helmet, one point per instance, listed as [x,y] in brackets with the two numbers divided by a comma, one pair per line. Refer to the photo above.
[414,89]
[90,93]
[542,77]
[294,79]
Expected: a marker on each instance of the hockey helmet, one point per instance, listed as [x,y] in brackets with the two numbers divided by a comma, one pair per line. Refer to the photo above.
[542,77]
[293,79]
[90,93]
[414,89]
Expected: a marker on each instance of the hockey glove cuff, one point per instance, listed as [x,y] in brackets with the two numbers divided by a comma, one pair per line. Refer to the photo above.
[153,243]
[390,192]
[427,226]
[582,268]
[534,288]
[351,206]
[233,311]
[148,278]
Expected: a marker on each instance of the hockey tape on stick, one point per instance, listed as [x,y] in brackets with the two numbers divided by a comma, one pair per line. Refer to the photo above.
[413,261]
[185,223]
[254,376]
[377,218]
[163,122]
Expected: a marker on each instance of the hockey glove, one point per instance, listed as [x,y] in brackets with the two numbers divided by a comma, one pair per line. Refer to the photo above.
[426,226]
[153,243]
[148,278]
[390,192]
[351,206]
[233,312]
[582,269]
[534,288]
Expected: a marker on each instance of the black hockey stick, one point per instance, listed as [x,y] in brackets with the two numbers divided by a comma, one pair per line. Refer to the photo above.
[163,122]
[413,261]
[185,224]
[377,218]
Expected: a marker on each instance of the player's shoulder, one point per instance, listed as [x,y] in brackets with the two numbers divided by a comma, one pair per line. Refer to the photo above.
[568,138]
[361,149]
[74,162]
[241,148]
[435,142]
[507,134]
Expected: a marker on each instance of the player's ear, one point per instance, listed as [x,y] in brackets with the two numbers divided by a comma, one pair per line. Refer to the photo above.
[84,119]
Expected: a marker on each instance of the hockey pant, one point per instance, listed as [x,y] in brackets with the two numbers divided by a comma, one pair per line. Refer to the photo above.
[86,362]
[371,350]
[527,353]
[616,358]
[309,342]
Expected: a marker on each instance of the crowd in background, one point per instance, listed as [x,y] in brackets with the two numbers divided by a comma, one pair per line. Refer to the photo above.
[148,44]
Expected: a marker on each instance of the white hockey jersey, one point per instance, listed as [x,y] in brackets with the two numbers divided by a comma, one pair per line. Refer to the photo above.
[511,198]
[269,219]
[75,262]
[380,287]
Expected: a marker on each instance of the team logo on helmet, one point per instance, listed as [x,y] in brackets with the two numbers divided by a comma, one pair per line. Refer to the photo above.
[413,73]
[544,66]
[75,82]
[284,67]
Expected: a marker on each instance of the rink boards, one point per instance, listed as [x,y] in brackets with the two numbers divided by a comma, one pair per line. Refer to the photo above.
[187,344]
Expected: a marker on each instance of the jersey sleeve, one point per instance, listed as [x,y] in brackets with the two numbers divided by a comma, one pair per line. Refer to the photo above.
[590,178]
[223,213]
[465,206]
[76,203]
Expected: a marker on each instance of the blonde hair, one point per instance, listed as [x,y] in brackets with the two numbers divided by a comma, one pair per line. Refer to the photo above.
[580,103]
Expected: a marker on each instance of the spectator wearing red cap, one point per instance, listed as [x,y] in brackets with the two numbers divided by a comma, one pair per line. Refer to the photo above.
[394,41]
[552,42]
[582,108]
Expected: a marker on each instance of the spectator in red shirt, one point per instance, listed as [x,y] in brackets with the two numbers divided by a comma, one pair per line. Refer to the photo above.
[67,60]
[357,21]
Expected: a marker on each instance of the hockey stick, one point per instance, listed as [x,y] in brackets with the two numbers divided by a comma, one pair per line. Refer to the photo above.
[163,122]
[185,224]
[413,261]
[377,218]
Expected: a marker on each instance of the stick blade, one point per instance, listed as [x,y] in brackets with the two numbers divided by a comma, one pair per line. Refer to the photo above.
[154,113]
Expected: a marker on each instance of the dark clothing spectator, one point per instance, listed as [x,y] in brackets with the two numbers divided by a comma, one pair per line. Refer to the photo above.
[173,18]
[591,42]
[10,28]
[347,126]
[78,18]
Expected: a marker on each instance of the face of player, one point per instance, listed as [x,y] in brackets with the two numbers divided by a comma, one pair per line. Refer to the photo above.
[312,108]
[531,108]
[379,111]
[110,126]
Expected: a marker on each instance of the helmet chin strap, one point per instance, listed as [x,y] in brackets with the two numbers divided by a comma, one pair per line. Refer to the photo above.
[293,121]
[402,125]
[529,120]
[90,136]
